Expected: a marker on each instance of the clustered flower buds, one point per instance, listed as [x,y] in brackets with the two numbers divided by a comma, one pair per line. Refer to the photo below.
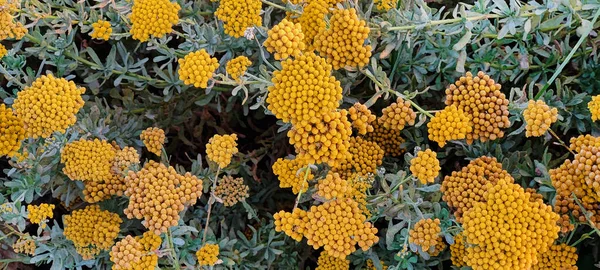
[49,105]
[196,68]
[231,190]
[101,30]
[221,148]
[158,194]
[154,139]
[483,102]
[362,118]
[285,40]
[39,213]
[12,132]
[144,22]
[426,234]
[327,262]
[236,67]
[398,115]
[87,160]
[342,44]
[425,166]
[237,15]
[92,230]
[290,176]
[538,118]
[208,254]
[449,124]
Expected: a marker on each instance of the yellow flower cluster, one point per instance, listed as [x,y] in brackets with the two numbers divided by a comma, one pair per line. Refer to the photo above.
[388,139]
[12,132]
[371,266]
[365,157]
[236,67]
[577,177]
[125,159]
[39,213]
[325,139]
[449,124]
[561,256]
[9,27]
[285,40]
[136,253]
[92,230]
[342,44]
[458,251]
[303,89]
[465,187]
[438,248]
[361,118]
[486,106]
[49,105]
[153,18]
[507,230]
[312,20]
[397,115]
[196,68]
[87,160]
[3,51]
[358,188]
[154,139]
[338,226]
[333,187]
[208,254]
[538,118]
[238,15]
[149,240]
[231,190]
[426,234]
[327,262]
[287,172]
[101,30]
[6,208]
[96,191]
[126,254]
[425,166]
[594,107]
[24,245]
[581,141]
[221,148]
[158,194]
[386,5]
[292,224]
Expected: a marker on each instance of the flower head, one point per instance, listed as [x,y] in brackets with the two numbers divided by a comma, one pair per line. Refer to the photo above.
[49,105]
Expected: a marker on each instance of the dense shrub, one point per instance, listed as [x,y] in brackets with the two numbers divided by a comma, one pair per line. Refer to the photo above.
[299,134]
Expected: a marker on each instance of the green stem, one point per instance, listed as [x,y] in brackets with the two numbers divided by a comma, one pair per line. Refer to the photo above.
[456,20]
[306,171]
[583,37]
[583,237]
[586,214]
[95,66]
[6,236]
[172,248]
[420,109]
[211,201]
[560,141]
[275,5]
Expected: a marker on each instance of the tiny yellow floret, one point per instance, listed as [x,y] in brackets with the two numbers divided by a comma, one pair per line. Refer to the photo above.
[538,118]
[221,148]
[196,68]
[425,166]
[101,30]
